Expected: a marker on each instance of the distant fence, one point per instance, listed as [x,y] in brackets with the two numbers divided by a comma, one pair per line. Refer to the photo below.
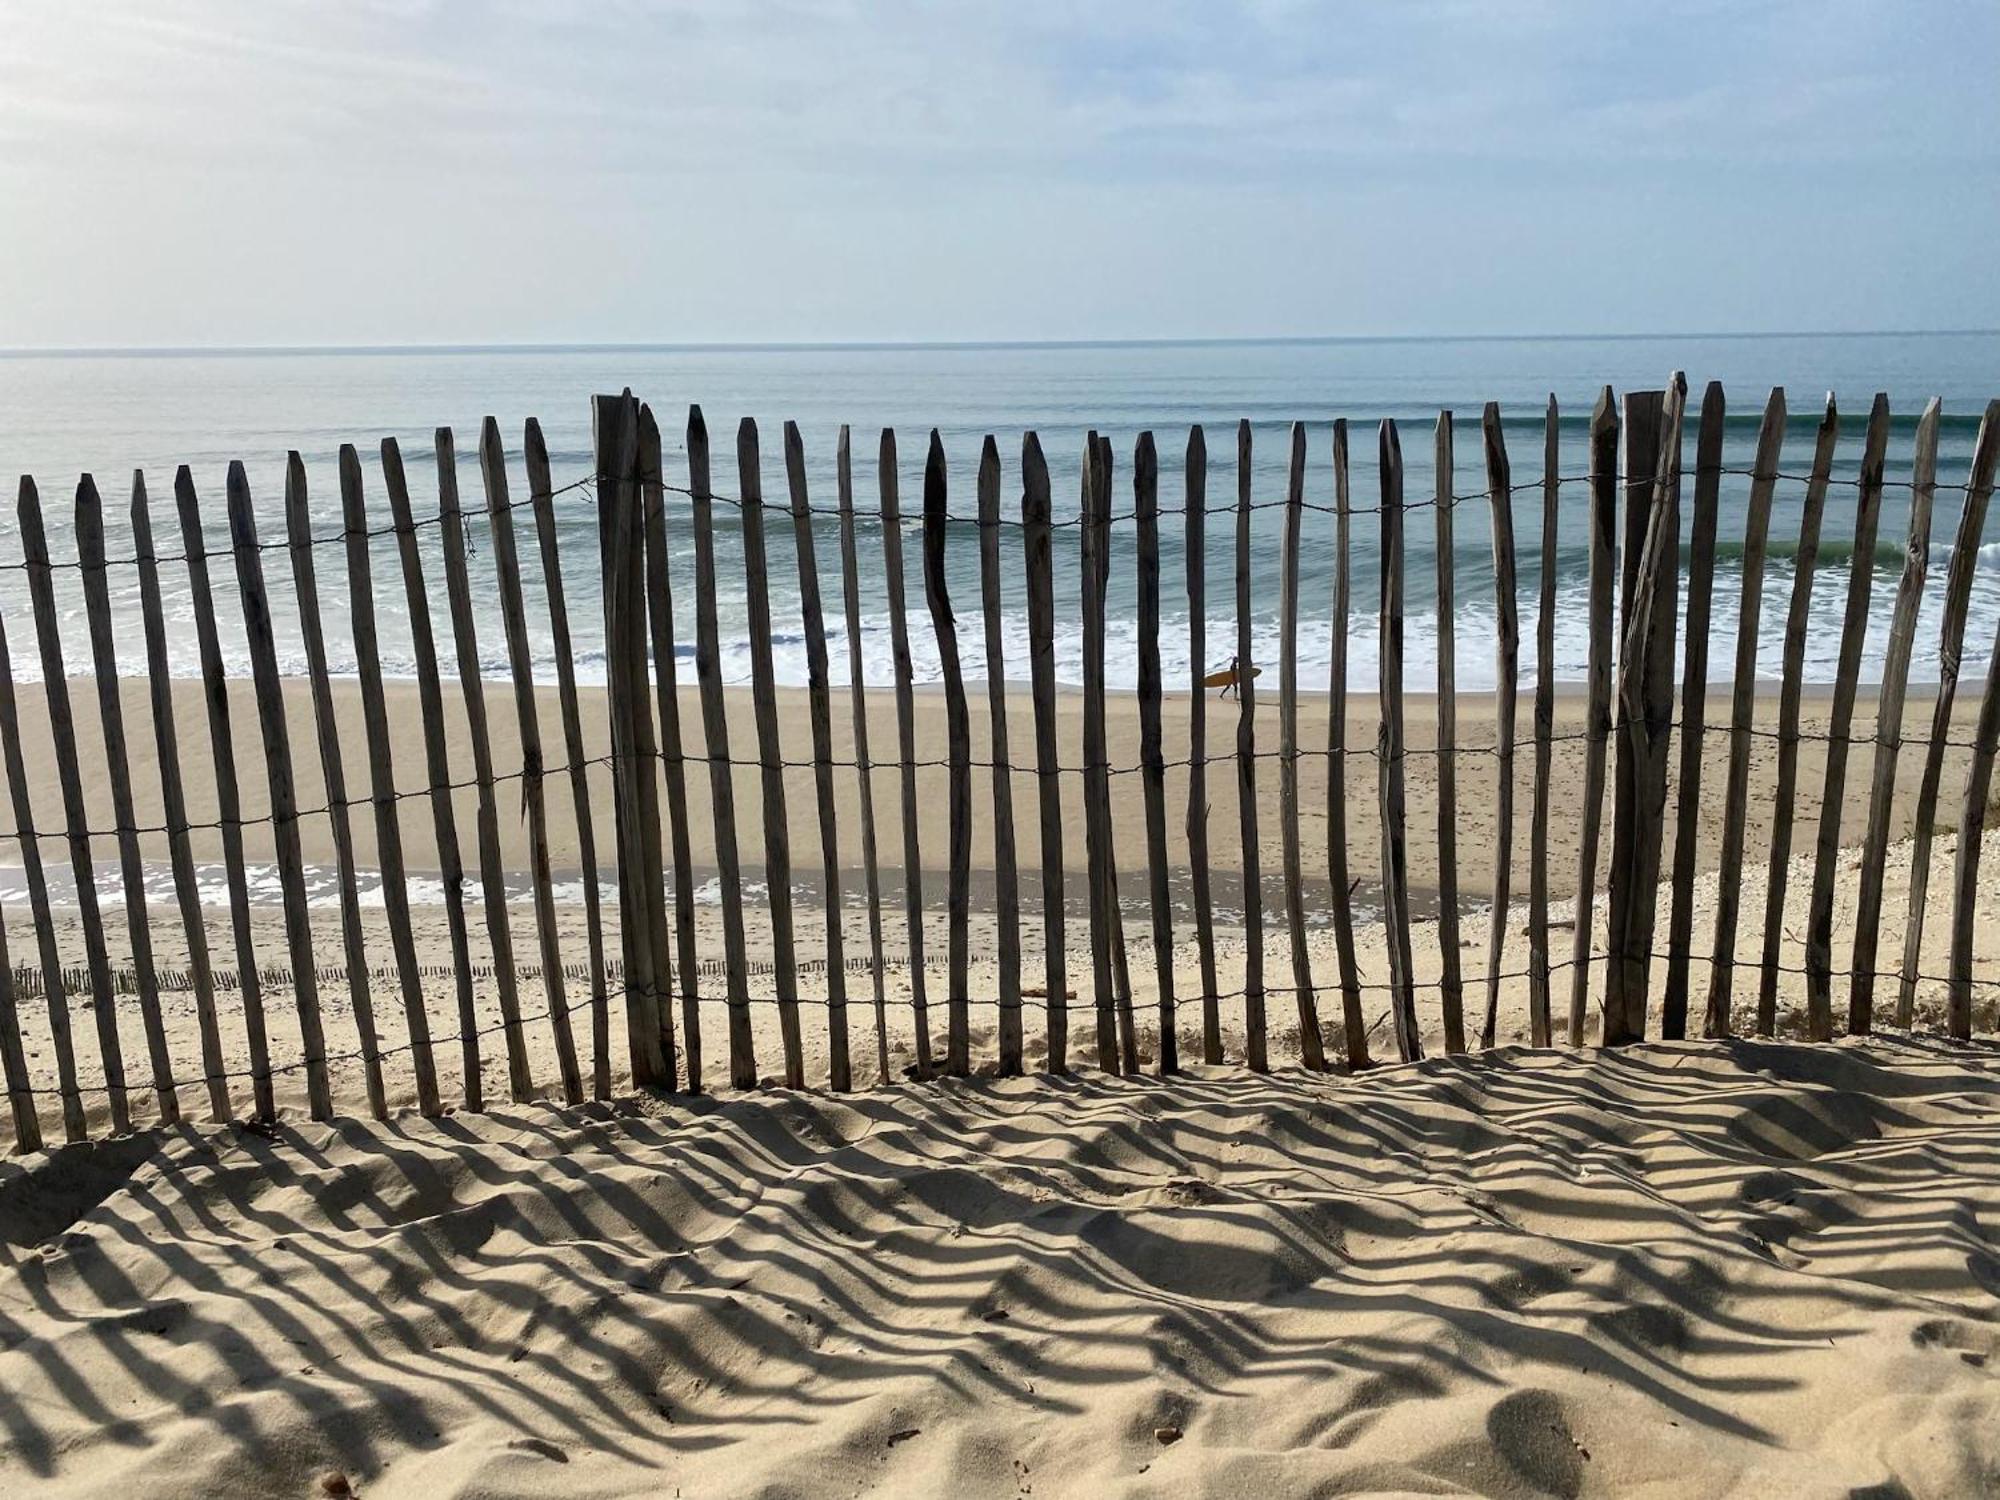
[660,978]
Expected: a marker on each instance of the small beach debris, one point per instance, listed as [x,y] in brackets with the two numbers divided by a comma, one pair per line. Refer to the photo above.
[334,1483]
[904,1436]
[1166,1435]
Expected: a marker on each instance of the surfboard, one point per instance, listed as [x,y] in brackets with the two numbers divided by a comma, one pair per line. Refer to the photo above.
[1227,677]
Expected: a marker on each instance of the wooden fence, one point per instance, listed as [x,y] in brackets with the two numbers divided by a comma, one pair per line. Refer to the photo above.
[654,970]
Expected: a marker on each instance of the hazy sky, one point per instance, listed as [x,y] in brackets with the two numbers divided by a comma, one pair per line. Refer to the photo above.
[407,171]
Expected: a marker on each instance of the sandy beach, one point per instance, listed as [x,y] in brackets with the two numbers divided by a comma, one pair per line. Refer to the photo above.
[1743,1269]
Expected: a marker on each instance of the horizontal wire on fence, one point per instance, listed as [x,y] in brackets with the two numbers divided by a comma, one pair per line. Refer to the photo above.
[1363,752]
[1139,1010]
[286,544]
[957,520]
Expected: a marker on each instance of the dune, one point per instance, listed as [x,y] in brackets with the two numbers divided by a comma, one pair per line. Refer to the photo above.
[1676,1269]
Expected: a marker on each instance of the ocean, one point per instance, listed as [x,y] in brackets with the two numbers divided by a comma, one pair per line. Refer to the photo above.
[110,413]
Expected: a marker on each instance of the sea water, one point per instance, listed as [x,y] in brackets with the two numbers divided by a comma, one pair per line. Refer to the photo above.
[112,413]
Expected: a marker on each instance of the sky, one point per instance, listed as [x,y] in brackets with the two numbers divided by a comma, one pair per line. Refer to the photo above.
[274,172]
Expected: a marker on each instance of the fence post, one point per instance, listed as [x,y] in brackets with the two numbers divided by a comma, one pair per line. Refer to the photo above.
[1957,595]
[534,797]
[958,734]
[333,772]
[1507,670]
[1146,505]
[1646,517]
[1889,702]
[715,747]
[76,815]
[1246,769]
[1602,521]
[541,494]
[659,613]
[1311,1047]
[615,441]
[472,688]
[1048,780]
[1646,699]
[173,803]
[1451,979]
[1742,707]
[382,782]
[864,774]
[1694,709]
[1860,588]
[1796,622]
[770,754]
[820,711]
[1540,1020]
[1339,893]
[437,759]
[1006,873]
[1389,754]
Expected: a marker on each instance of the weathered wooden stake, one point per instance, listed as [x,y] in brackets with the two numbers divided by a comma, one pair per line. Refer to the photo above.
[820,711]
[257,629]
[1506,697]
[1152,762]
[1646,700]
[333,774]
[472,687]
[1035,505]
[1826,854]
[864,775]
[906,742]
[1006,880]
[715,742]
[383,794]
[437,758]
[534,797]
[55,989]
[1311,1047]
[1790,688]
[770,753]
[1195,478]
[1451,984]
[1540,1017]
[1389,755]
[1255,1045]
[1352,1022]
[958,751]
[673,759]
[1742,708]
[1603,523]
[1694,710]
[76,813]
[111,716]
[1957,595]
[1889,723]
[173,802]
[541,493]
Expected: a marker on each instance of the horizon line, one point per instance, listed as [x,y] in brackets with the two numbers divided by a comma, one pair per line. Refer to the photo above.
[169,351]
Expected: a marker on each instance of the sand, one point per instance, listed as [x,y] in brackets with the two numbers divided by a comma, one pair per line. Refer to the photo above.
[1710,1270]
[1702,1269]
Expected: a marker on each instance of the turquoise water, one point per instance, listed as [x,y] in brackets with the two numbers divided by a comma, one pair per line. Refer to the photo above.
[108,414]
